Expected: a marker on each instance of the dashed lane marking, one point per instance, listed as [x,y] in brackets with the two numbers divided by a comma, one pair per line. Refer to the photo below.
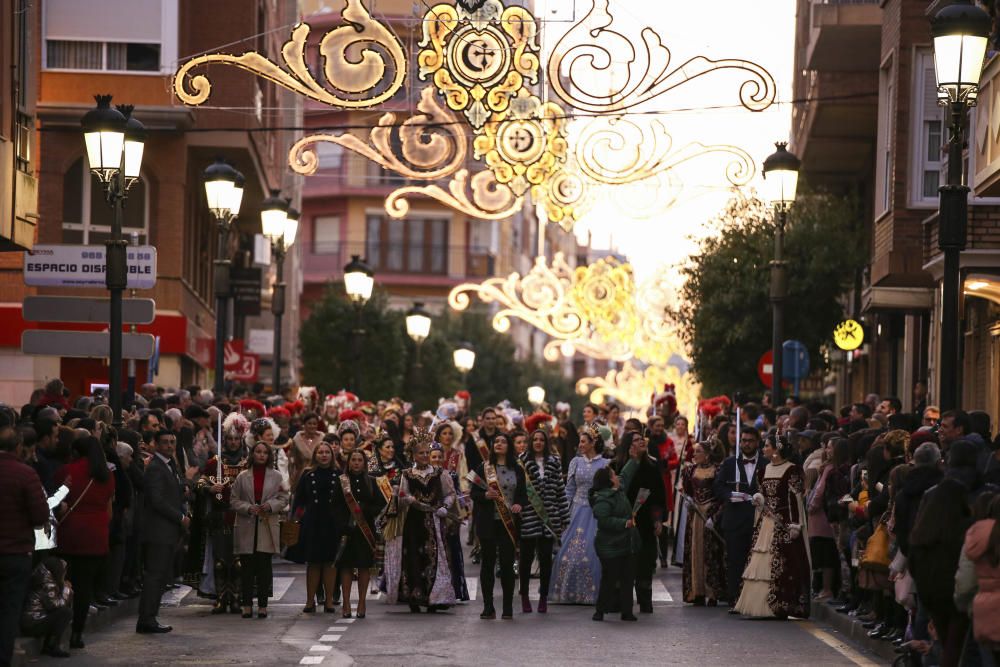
[319,648]
[330,638]
[312,660]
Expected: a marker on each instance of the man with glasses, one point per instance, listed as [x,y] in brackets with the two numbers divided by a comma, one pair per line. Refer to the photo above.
[735,484]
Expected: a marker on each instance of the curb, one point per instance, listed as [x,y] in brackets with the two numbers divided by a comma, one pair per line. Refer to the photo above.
[853,630]
[27,649]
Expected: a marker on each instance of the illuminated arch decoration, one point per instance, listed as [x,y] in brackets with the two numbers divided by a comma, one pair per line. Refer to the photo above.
[363,64]
[525,144]
[479,59]
[426,146]
[566,195]
[634,387]
[479,196]
[583,56]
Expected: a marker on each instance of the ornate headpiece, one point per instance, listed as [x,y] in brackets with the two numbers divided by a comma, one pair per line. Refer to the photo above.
[421,436]
[539,420]
[349,425]
[592,431]
[257,428]
[235,424]
[252,408]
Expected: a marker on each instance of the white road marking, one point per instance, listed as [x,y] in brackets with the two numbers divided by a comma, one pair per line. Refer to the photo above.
[337,628]
[172,596]
[330,638]
[837,645]
[660,592]
[319,648]
[347,620]
[473,585]
[281,586]
[312,660]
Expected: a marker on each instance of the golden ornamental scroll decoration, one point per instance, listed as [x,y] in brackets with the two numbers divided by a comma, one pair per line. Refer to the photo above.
[363,63]
[479,196]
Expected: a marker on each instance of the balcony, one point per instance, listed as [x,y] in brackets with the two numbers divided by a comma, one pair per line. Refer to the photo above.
[844,35]
[399,264]
[985,144]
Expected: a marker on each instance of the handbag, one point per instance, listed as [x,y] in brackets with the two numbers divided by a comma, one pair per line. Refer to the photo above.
[289,529]
[75,502]
[876,555]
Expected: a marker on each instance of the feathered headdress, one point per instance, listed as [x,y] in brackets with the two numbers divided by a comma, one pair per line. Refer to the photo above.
[668,396]
[235,424]
[295,407]
[309,397]
[258,427]
[279,413]
[537,421]
[351,415]
[252,408]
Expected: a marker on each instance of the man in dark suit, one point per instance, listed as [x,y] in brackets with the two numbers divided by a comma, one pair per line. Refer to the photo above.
[164,520]
[736,524]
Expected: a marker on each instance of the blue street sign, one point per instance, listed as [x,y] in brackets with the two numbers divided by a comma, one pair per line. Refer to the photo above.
[794,360]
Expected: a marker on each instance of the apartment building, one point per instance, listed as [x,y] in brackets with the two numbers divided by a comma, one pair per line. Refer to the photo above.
[131,50]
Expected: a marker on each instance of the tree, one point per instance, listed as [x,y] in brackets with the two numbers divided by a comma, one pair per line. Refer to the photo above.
[725,312]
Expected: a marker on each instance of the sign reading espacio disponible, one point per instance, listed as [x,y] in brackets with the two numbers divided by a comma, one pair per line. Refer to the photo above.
[84,266]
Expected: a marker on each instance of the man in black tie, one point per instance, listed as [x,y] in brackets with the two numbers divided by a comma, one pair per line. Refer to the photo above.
[737,520]
[164,518]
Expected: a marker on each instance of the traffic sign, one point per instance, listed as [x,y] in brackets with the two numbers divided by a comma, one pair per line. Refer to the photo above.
[247,370]
[794,360]
[85,344]
[85,309]
[244,285]
[64,265]
[765,368]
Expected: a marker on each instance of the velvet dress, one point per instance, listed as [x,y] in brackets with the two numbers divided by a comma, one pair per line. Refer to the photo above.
[576,573]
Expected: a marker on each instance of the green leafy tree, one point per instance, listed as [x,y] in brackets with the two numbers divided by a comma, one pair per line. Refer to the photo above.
[725,316]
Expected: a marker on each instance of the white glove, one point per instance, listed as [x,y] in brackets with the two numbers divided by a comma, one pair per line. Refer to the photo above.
[758,500]
[441,512]
[794,530]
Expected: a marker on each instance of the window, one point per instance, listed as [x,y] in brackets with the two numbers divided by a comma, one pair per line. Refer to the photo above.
[928,134]
[87,217]
[883,157]
[326,235]
[141,38]
[414,245]
[377,175]
[330,156]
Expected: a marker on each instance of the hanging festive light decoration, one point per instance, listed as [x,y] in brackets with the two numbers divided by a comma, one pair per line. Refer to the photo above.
[426,146]
[633,386]
[566,195]
[584,53]
[363,64]
[479,58]
[478,196]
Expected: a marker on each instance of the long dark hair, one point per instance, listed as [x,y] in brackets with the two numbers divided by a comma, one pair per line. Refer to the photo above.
[90,448]
[510,458]
[622,453]
[602,480]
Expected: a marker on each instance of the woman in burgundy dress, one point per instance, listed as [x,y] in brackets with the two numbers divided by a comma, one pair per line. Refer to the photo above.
[704,578]
[777,576]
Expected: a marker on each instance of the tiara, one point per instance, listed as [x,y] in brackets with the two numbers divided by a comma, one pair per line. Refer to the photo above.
[592,431]
[421,436]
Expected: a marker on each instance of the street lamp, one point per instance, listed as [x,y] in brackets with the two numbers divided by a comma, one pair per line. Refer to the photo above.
[781,178]
[115,143]
[465,358]
[224,194]
[359,279]
[418,326]
[536,395]
[961,34]
[276,218]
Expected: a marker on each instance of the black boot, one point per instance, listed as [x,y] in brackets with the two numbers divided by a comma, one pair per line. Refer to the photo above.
[76,640]
[644,597]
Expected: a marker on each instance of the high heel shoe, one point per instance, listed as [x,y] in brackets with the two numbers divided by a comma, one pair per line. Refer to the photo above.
[543,604]
[346,614]
[262,612]
[525,604]
[247,612]
[309,609]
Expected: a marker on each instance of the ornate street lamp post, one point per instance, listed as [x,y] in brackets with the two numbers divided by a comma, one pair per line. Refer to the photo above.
[359,279]
[280,223]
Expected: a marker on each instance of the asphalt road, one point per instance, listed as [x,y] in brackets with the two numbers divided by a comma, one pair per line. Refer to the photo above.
[675,634]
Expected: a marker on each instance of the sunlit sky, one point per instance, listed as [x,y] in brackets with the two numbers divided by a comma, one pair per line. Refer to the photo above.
[762,32]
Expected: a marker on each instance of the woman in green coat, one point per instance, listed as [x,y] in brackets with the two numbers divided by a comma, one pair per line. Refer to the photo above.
[617,541]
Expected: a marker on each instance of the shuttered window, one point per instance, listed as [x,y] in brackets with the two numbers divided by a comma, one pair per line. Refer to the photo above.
[928,134]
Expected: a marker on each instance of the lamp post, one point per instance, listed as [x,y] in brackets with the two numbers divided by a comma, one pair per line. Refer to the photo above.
[115,143]
[279,223]
[464,357]
[418,327]
[224,194]
[359,279]
[961,34]
[781,177]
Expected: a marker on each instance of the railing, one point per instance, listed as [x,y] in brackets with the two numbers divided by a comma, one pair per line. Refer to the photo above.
[328,258]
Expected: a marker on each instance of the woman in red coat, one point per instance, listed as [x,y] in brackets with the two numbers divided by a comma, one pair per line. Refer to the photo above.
[82,536]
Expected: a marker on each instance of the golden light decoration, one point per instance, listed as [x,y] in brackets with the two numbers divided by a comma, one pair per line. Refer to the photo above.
[635,387]
[479,60]
[566,195]
[479,196]
[363,64]
[426,146]
[524,144]
[604,294]
[580,65]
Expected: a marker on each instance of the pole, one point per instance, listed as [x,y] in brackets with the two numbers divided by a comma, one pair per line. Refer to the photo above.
[952,229]
[356,335]
[116,280]
[779,293]
[222,287]
[278,309]
[130,383]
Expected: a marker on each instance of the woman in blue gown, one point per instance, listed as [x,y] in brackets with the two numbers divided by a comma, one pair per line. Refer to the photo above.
[576,573]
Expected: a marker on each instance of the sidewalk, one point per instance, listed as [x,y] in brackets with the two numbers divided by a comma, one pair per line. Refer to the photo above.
[852,629]
[27,649]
